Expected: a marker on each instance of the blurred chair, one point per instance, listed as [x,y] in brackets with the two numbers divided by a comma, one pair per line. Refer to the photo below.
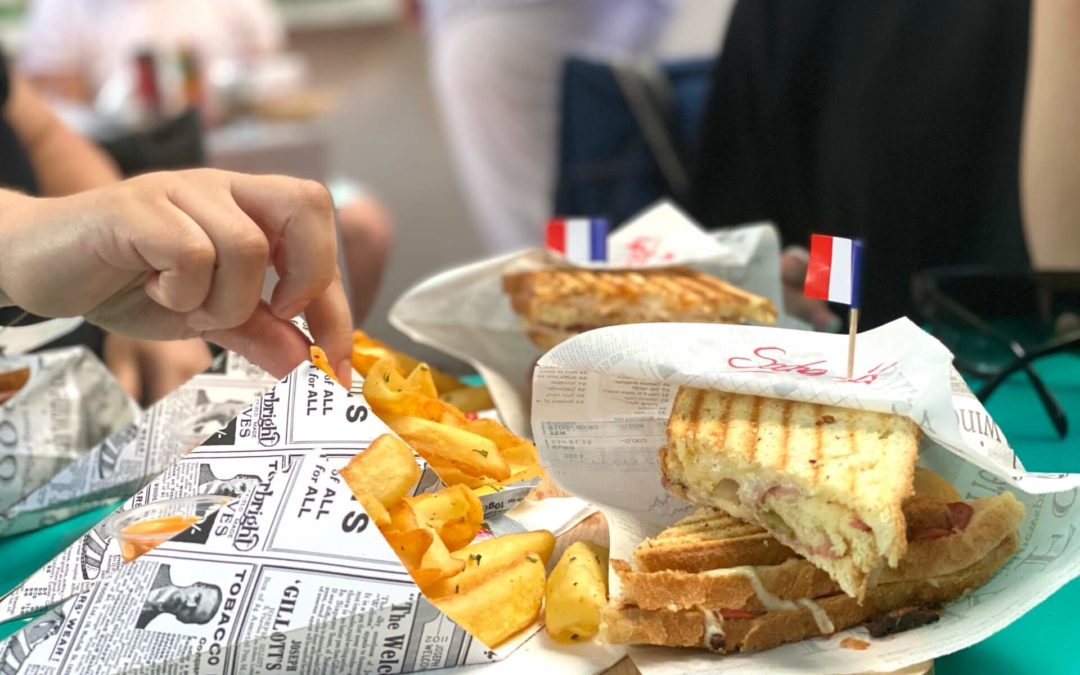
[628,128]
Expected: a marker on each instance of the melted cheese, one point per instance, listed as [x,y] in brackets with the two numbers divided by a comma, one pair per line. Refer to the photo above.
[821,617]
[772,602]
[713,626]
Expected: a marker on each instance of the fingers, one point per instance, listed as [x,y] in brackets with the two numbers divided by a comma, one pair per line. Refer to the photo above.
[183,256]
[330,324]
[242,251]
[793,264]
[267,341]
[299,220]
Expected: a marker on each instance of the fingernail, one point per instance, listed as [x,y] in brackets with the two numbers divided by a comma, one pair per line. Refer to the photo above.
[199,321]
[290,312]
[344,373]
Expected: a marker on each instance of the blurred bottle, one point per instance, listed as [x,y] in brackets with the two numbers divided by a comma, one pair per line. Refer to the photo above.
[149,90]
[191,72]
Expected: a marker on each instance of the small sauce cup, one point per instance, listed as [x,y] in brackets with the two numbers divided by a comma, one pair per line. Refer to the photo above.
[145,527]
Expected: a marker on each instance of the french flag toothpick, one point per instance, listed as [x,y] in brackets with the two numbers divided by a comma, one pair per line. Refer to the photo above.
[578,239]
[833,274]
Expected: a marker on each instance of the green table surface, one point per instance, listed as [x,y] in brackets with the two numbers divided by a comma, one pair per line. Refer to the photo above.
[1046,640]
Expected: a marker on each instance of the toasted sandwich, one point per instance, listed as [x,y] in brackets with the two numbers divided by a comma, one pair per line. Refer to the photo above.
[559,302]
[755,603]
[827,482]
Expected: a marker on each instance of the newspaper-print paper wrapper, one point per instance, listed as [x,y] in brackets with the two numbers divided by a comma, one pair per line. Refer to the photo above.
[25,339]
[81,441]
[290,575]
[69,404]
[600,410]
[465,313]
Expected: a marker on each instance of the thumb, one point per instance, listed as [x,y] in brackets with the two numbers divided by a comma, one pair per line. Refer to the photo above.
[271,343]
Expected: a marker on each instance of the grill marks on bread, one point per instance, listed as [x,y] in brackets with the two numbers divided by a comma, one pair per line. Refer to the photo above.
[573,299]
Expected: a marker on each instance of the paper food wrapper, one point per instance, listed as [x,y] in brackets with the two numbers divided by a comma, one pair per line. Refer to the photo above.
[71,439]
[68,405]
[25,339]
[290,575]
[600,408]
[465,313]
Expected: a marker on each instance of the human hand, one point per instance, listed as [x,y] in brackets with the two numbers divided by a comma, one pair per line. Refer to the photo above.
[793,263]
[149,370]
[178,255]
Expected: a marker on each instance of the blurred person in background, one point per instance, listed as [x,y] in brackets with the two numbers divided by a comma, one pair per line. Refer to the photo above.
[44,157]
[496,67]
[898,121]
[163,256]
[74,48]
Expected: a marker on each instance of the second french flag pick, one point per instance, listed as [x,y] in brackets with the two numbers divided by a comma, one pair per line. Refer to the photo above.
[833,274]
[579,240]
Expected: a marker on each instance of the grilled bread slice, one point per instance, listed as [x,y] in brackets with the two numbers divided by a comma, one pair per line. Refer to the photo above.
[710,539]
[828,482]
[559,302]
[752,585]
[739,631]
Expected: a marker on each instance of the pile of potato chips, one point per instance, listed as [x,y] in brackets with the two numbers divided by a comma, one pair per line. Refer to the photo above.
[493,588]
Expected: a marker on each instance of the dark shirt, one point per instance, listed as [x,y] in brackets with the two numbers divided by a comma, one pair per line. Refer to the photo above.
[897,121]
[16,173]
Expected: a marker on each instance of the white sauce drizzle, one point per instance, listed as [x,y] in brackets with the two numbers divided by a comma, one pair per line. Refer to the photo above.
[821,617]
[713,626]
[774,603]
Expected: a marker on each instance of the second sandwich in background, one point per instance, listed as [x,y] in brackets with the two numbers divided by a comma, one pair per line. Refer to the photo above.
[557,303]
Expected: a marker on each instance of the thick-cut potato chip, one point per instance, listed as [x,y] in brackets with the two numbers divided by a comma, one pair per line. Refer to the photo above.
[463,451]
[424,555]
[374,508]
[419,382]
[576,592]
[519,453]
[367,350]
[437,564]
[454,513]
[318,357]
[504,604]
[494,431]
[410,545]
[469,399]
[402,517]
[386,470]
[454,476]
[14,380]
[381,476]
[443,444]
[387,393]
[485,558]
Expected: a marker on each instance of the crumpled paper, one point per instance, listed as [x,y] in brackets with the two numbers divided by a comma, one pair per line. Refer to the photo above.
[601,402]
[465,313]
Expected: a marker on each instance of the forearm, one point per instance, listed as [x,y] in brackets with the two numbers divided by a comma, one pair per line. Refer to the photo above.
[64,161]
[1050,162]
[13,210]
[67,163]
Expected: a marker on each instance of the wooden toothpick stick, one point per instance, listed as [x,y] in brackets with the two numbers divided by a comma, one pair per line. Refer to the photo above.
[853,329]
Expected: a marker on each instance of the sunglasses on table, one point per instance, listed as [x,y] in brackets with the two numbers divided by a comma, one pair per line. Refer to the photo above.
[999,323]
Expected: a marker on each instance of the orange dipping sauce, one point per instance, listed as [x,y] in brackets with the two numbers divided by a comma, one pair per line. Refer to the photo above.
[138,538]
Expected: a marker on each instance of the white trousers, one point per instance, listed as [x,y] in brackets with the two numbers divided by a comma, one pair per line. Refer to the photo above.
[496,69]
